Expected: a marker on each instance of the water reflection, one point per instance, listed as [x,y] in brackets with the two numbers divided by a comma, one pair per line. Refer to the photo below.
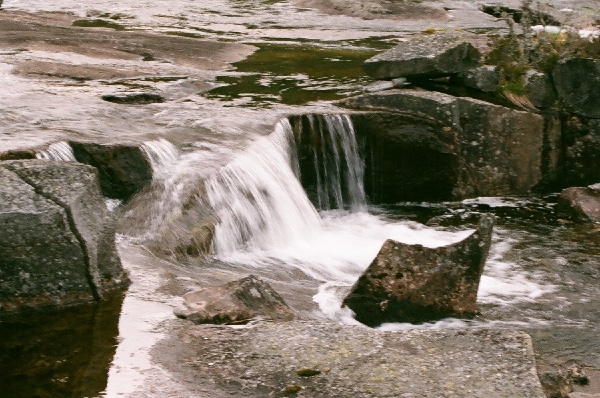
[59,353]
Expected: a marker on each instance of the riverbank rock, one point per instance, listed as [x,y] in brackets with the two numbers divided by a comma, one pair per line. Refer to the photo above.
[580,203]
[57,242]
[123,169]
[577,81]
[497,150]
[236,302]
[580,164]
[412,283]
[425,56]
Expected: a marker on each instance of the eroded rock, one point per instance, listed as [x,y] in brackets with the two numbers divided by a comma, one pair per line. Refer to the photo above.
[123,168]
[236,302]
[580,203]
[56,237]
[412,283]
[424,56]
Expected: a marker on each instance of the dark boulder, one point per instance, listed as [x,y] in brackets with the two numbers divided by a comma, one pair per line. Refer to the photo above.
[412,283]
[580,203]
[425,56]
[236,302]
[577,82]
[56,236]
[123,168]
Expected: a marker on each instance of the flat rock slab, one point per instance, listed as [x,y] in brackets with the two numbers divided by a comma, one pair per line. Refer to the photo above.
[425,56]
[322,359]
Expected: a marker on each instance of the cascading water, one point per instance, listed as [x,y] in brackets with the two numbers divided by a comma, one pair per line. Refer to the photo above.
[338,169]
[60,151]
[161,154]
[258,200]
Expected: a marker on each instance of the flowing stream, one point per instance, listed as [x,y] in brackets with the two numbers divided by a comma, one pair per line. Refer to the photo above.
[309,231]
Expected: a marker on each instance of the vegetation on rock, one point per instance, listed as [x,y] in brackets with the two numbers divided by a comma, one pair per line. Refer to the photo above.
[540,49]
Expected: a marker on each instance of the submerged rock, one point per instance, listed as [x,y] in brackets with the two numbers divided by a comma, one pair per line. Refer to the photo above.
[123,168]
[580,203]
[412,283]
[236,302]
[425,56]
[17,154]
[134,99]
[57,242]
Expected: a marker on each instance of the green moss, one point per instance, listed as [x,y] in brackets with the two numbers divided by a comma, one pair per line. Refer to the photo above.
[295,74]
[97,23]
[292,390]
[308,372]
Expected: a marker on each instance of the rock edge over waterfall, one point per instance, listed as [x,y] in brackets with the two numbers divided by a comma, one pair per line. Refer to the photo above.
[57,244]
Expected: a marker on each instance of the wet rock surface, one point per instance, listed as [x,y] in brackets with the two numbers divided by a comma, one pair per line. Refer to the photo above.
[412,283]
[236,302]
[123,169]
[57,238]
[272,359]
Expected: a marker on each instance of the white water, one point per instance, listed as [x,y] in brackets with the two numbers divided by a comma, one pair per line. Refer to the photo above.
[258,200]
[267,222]
[60,151]
[338,166]
[161,154]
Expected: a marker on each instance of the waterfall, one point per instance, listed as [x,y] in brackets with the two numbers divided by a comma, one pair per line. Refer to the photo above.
[257,198]
[60,151]
[336,173]
[161,154]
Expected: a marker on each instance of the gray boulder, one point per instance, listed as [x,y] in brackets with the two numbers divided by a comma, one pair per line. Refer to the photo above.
[424,56]
[57,237]
[539,89]
[412,283]
[123,169]
[485,78]
[580,203]
[236,302]
[577,82]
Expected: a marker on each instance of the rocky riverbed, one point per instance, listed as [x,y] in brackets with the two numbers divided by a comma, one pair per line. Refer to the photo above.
[213,77]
